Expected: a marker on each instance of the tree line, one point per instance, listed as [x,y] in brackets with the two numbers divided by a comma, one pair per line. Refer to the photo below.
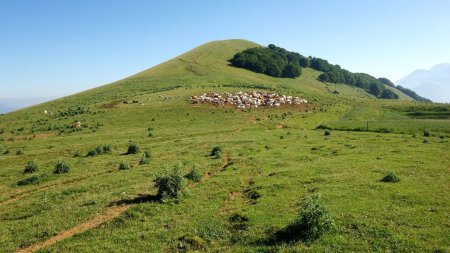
[272,60]
[278,62]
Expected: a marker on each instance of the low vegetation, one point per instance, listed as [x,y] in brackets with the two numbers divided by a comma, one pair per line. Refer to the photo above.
[313,221]
[124,166]
[170,183]
[145,158]
[194,175]
[61,168]
[133,148]
[31,167]
[216,152]
[246,206]
[391,177]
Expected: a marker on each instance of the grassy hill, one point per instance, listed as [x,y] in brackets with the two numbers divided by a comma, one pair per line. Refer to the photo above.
[272,159]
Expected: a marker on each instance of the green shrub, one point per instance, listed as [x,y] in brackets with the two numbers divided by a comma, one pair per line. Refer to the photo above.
[92,153]
[77,154]
[145,159]
[99,150]
[31,167]
[61,167]
[170,183]
[6,152]
[426,133]
[313,221]
[20,152]
[188,243]
[327,132]
[239,222]
[30,180]
[252,194]
[194,175]
[133,148]
[107,149]
[216,151]
[124,166]
[391,177]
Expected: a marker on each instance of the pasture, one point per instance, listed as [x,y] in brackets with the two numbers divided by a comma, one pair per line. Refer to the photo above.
[271,159]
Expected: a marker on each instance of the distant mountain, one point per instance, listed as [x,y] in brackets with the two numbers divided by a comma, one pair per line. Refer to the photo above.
[433,84]
[8,104]
[5,108]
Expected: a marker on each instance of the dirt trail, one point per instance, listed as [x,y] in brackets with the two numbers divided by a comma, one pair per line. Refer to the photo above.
[226,162]
[20,193]
[110,214]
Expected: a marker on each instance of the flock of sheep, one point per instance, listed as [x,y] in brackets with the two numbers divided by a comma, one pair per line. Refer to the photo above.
[244,100]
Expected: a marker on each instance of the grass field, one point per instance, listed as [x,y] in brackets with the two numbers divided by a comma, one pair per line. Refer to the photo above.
[276,154]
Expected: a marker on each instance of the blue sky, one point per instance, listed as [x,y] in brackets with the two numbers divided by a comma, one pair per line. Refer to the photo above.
[59,47]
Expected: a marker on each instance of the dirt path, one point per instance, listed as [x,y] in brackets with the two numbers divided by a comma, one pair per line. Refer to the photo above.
[20,194]
[110,214]
[226,162]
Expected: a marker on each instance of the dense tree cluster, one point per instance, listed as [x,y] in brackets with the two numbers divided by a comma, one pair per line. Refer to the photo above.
[335,74]
[408,92]
[272,60]
[412,94]
[278,62]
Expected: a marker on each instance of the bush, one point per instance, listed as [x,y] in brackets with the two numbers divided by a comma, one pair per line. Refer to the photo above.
[20,152]
[170,183]
[31,167]
[30,180]
[145,159]
[426,133]
[92,153]
[391,177]
[189,243]
[133,148]
[77,154]
[124,166]
[313,221]
[216,150]
[252,194]
[107,149]
[194,175]
[99,150]
[61,167]
[327,132]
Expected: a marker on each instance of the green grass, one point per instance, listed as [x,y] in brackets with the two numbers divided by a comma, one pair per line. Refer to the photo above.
[344,167]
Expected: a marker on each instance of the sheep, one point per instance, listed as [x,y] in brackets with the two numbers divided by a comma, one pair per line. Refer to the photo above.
[242,100]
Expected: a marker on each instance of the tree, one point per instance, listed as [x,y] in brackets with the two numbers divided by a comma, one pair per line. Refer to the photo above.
[386,81]
[388,94]
[324,77]
[375,89]
[291,70]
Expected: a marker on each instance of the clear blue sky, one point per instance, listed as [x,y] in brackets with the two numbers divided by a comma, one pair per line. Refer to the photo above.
[54,48]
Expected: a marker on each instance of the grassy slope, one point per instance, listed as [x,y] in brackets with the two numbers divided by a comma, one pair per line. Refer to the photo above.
[344,167]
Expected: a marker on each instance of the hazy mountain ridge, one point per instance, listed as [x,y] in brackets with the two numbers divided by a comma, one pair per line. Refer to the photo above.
[5,108]
[433,84]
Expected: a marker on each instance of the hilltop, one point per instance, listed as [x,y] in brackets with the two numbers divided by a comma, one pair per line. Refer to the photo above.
[138,165]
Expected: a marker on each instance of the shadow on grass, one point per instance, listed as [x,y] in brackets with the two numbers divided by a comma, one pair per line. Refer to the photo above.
[142,198]
[292,233]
